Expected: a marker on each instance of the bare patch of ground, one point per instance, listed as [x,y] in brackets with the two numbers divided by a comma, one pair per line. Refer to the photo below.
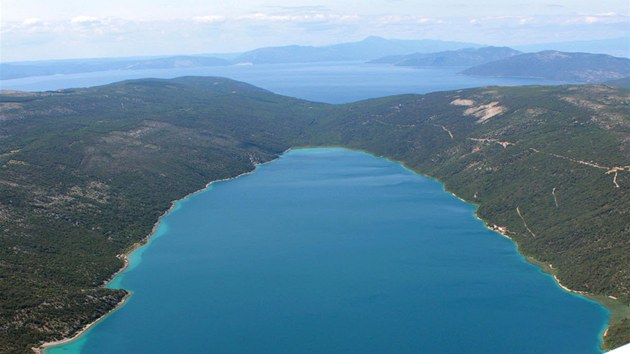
[463,102]
[485,111]
[505,144]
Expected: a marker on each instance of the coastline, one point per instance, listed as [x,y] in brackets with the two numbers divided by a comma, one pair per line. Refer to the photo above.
[611,304]
[41,349]
[607,302]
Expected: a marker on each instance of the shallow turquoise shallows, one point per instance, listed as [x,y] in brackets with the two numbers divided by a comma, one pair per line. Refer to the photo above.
[337,251]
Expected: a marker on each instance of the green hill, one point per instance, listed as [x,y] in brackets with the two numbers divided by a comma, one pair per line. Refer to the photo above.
[86,173]
[559,66]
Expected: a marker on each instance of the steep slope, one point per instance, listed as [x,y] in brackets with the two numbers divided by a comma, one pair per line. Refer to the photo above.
[461,57]
[559,66]
[86,173]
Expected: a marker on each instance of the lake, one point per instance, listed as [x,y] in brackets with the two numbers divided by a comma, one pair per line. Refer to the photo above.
[333,82]
[336,251]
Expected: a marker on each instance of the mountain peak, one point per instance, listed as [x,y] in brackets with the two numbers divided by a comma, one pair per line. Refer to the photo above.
[374,39]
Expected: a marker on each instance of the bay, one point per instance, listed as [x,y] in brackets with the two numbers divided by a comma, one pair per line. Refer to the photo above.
[330,82]
[336,251]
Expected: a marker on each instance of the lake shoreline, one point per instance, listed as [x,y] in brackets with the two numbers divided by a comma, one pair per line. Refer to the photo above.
[614,306]
[145,241]
[41,349]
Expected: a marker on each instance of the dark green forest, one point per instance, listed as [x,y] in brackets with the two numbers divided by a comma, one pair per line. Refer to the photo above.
[86,173]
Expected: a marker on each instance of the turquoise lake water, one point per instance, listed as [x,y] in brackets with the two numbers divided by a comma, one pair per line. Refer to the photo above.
[336,251]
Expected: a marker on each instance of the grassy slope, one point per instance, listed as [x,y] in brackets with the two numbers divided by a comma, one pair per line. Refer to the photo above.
[86,173]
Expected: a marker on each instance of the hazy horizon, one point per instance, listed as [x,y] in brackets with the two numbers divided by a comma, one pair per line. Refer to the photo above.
[73,29]
[233,54]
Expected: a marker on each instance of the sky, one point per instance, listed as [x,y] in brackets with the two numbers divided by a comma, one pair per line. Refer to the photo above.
[61,29]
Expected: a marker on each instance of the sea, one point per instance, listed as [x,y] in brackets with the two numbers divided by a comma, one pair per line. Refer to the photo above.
[330,250]
[330,82]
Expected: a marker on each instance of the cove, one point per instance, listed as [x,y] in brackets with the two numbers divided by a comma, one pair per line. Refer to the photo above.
[336,251]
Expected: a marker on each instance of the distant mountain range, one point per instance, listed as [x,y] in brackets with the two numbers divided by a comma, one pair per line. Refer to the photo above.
[482,61]
[508,62]
[625,82]
[461,57]
[558,66]
[367,49]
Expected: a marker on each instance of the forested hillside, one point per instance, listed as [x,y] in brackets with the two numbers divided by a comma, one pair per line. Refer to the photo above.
[86,173]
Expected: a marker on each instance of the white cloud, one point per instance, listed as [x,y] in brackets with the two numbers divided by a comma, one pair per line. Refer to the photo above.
[609,14]
[526,20]
[34,25]
[31,25]
[85,20]
[496,21]
[604,18]
[307,17]
[103,28]
[32,21]
[406,20]
[426,20]
[209,19]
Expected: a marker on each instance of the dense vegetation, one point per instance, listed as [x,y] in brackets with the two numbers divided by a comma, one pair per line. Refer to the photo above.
[86,173]
[559,66]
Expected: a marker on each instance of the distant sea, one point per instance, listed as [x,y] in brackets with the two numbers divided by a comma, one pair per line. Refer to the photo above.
[333,82]
[336,251]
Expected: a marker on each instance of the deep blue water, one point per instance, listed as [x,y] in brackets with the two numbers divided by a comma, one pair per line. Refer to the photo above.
[336,251]
[334,82]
